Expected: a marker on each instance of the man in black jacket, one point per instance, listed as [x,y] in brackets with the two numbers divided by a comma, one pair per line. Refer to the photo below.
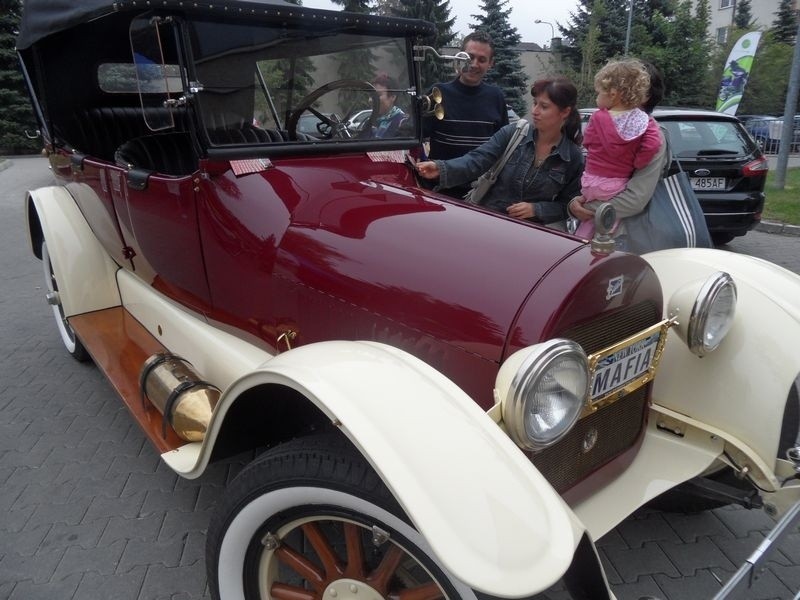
[474,110]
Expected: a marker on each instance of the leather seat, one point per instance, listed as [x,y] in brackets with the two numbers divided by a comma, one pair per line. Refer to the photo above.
[165,153]
[99,131]
[249,134]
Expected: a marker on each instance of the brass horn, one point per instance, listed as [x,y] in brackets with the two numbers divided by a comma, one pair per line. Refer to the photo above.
[432,104]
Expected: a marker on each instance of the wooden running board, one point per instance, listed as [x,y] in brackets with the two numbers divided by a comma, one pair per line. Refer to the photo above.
[119,346]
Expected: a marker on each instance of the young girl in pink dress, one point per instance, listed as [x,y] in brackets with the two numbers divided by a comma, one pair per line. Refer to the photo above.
[620,137]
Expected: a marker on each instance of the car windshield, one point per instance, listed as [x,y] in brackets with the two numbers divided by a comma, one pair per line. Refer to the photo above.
[264,85]
[707,137]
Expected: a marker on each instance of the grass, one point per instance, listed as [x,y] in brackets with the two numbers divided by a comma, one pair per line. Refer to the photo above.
[783,205]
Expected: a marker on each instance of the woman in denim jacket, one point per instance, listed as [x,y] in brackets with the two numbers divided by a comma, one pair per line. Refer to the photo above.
[544,172]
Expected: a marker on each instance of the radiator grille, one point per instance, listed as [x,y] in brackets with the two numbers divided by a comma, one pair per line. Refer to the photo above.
[614,327]
[617,425]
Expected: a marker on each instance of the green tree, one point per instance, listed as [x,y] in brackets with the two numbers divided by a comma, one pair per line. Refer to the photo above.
[358,62]
[438,13]
[357,6]
[671,34]
[685,42]
[276,75]
[784,28]
[743,18]
[386,8]
[613,27]
[768,83]
[507,72]
[16,115]
[591,56]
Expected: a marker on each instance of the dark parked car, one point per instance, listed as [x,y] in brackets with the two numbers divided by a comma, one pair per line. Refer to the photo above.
[767,130]
[726,167]
[438,401]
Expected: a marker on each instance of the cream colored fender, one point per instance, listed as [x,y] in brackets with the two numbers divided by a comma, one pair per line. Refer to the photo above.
[84,271]
[487,513]
[741,387]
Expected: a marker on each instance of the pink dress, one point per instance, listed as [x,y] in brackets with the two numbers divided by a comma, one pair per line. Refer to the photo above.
[617,143]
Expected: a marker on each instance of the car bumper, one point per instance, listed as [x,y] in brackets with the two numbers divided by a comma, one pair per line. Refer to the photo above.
[734,214]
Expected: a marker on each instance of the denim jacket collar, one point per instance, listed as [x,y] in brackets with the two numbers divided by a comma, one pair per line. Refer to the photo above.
[563,148]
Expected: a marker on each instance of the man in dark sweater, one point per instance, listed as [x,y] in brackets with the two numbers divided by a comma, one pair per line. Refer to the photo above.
[474,110]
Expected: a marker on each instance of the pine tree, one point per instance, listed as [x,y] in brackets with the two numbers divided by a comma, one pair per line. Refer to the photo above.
[767,85]
[357,6]
[670,34]
[355,64]
[16,114]
[784,28]
[591,56]
[438,13]
[507,72]
[276,74]
[689,44]
[743,18]
[612,29]
[386,8]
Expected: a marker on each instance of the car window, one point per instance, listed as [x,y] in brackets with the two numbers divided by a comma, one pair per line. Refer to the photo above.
[693,137]
[120,78]
[262,85]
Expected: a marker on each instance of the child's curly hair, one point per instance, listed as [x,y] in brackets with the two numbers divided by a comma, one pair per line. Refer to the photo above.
[629,77]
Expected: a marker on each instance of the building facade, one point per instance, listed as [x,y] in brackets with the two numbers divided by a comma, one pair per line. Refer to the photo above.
[722,13]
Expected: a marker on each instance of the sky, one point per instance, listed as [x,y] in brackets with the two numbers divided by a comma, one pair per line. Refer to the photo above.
[524,13]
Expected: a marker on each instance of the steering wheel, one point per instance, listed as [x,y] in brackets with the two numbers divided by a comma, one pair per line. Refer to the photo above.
[328,127]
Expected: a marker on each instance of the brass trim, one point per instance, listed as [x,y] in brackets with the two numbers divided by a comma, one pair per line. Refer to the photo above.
[661,328]
[286,337]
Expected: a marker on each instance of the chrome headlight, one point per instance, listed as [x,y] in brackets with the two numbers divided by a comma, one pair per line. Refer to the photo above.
[543,389]
[711,314]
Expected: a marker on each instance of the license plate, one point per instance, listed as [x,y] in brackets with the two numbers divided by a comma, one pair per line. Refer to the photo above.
[708,183]
[628,365]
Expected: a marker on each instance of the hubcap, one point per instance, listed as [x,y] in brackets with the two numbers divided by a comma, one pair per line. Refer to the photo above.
[351,589]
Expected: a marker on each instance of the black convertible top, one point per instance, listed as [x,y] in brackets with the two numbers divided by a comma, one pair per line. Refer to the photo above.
[41,18]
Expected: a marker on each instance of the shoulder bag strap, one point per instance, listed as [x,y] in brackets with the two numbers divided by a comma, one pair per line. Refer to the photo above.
[520,132]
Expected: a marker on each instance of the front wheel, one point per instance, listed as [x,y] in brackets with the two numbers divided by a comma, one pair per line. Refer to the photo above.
[310,520]
[71,341]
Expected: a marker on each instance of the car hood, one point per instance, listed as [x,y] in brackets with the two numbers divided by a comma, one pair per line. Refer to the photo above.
[450,272]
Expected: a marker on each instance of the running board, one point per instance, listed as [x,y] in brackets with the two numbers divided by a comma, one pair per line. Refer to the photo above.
[119,346]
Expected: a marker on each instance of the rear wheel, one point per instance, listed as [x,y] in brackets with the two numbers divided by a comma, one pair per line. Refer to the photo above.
[71,341]
[310,519]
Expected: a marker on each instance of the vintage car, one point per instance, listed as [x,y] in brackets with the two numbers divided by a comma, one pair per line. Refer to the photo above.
[443,402]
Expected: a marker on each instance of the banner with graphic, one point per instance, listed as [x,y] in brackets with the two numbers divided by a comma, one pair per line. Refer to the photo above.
[737,70]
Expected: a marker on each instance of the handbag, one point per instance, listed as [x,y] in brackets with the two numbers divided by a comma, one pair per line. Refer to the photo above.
[484,183]
[672,218]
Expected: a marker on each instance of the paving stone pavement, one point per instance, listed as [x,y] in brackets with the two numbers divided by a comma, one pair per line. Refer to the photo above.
[88,511]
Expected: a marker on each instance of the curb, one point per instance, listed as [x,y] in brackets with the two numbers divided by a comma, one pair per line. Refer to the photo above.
[5,163]
[779,228]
